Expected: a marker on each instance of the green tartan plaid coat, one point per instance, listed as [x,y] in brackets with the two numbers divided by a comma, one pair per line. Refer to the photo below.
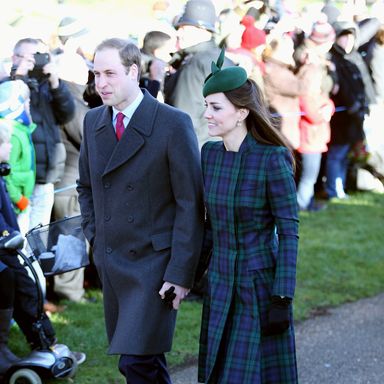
[252,220]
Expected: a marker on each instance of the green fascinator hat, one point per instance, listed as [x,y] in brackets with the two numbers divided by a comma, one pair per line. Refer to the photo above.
[223,79]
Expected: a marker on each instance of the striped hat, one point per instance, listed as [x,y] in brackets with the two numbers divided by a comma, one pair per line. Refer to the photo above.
[13,95]
[322,32]
[71,27]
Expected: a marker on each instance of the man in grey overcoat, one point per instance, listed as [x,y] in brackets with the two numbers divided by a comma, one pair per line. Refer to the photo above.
[140,195]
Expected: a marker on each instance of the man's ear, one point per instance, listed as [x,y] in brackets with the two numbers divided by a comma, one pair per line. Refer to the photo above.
[133,72]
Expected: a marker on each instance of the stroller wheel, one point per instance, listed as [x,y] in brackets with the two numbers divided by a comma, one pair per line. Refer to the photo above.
[64,367]
[25,376]
[73,371]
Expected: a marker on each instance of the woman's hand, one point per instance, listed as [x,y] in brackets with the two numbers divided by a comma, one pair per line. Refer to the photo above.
[278,316]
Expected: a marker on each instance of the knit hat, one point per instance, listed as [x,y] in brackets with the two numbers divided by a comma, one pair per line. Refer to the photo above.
[71,27]
[223,80]
[344,27]
[252,37]
[322,32]
[13,95]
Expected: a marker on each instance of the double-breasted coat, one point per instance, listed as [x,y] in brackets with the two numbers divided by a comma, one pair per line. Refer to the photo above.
[251,205]
[141,200]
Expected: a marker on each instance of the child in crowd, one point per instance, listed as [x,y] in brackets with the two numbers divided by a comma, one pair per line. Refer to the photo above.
[14,107]
[316,111]
[18,295]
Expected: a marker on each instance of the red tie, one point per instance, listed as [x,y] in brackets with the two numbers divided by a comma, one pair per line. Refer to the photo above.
[119,125]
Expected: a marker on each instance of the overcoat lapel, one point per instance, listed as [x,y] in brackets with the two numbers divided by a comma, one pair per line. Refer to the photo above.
[116,152]
[105,138]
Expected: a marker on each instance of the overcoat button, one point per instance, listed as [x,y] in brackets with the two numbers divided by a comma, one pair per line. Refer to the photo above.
[132,252]
[130,219]
[107,217]
[130,188]
[107,185]
[109,249]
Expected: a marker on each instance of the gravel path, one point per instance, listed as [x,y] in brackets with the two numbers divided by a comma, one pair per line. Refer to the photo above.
[344,346]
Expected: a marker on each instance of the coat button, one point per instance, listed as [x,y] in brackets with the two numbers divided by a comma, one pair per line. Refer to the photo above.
[132,252]
[109,250]
[130,219]
[130,188]
[107,218]
[107,185]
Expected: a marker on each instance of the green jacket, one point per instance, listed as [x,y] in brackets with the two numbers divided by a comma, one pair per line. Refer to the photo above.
[21,181]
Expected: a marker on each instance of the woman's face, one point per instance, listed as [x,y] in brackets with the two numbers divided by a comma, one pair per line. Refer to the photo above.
[222,115]
[347,42]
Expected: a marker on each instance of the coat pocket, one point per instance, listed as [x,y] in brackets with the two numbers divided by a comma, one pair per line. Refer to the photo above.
[263,280]
[262,259]
[161,241]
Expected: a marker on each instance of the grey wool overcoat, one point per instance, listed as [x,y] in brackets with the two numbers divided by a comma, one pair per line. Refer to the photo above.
[142,208]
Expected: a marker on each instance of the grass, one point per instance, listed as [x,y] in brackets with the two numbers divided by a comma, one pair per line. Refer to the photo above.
[341,259]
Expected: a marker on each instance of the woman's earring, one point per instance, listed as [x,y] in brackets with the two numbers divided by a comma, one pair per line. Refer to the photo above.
[238,123]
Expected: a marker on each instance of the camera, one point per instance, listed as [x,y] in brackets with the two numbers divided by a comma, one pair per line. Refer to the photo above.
[41,59]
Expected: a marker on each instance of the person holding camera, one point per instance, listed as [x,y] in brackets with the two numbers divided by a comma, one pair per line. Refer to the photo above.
[51,105]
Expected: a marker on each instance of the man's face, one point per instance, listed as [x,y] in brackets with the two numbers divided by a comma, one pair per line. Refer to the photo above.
[25,52]
[164,52]
[116,85]
[189,35]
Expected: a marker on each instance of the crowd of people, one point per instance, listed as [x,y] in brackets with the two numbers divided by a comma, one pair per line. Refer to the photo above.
[308,82]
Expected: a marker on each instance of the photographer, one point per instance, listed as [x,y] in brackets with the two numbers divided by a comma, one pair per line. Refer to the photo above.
[51,105]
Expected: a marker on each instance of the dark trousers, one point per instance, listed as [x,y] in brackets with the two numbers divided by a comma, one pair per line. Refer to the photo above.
[25,305]
[148,369]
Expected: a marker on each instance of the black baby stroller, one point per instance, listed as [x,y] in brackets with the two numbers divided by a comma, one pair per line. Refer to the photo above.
[58,247]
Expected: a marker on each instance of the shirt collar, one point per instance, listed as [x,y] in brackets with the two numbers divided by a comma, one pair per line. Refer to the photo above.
[130,110]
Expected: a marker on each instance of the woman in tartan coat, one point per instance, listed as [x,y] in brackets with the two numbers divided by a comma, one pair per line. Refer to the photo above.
[247,333]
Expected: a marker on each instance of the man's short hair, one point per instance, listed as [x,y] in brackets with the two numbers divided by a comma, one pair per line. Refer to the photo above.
[129,53]
[154,40]
[27,40]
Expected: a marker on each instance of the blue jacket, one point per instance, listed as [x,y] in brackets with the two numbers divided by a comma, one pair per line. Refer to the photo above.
[8,221]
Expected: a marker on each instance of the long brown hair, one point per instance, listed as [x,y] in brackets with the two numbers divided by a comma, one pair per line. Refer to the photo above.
[259,120]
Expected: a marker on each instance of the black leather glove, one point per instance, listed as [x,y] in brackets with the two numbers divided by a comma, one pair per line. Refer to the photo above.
[169,296]
[278,316]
